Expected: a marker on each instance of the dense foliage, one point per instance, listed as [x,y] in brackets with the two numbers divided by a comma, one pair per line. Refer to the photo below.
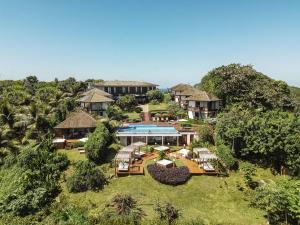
[86,177]
[167,212]
[281,201]
[270,138]
[38,183]
[97,145]
[155,95]
[236,83]
[127,103]
[123,209]
[170,176]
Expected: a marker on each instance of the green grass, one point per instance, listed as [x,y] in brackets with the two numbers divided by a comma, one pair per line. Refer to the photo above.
[132,115]
[214,199]
[73,155]
[159,107]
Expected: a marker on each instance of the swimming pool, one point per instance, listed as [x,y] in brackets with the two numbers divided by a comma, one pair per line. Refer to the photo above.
[145,129]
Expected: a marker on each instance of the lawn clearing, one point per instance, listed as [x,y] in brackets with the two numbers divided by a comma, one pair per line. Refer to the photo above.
[159,107]
[133,115]
[214,199]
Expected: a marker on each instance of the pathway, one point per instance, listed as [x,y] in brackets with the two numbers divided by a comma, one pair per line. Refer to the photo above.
[146,113]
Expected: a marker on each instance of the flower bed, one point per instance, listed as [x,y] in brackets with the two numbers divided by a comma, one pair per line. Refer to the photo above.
[170,176]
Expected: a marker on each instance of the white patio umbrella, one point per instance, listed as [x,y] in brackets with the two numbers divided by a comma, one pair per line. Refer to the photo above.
[162,148]
[139,144]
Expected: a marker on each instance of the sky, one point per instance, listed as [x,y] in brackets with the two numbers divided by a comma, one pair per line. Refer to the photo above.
[161,41]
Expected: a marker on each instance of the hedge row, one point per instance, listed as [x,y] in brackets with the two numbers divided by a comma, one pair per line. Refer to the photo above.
[170,176]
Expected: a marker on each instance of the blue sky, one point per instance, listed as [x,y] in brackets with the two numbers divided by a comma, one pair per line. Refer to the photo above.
[163,41]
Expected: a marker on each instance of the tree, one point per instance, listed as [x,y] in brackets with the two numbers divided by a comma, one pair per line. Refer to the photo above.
[176,110]
[155,95]
[167,212]
[30,84]
[38,183]
[98,143]
[280,200]
[241,84]
[86,177]
[127,103]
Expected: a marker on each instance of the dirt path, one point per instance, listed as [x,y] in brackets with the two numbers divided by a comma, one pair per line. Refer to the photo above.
[147,115]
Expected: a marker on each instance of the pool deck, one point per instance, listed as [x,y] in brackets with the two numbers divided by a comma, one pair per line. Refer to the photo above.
[137,168]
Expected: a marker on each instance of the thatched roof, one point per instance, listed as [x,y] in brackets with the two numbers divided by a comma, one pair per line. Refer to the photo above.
[181,87]
[96,90]
[125,83]
[193,93]
[94,97]
[78,120]
[202,96]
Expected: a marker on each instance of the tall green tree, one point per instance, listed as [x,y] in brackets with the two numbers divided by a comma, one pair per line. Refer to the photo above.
[241,84]
[97,145]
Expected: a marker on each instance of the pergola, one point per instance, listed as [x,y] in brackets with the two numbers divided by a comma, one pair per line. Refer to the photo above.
[204,155]
[124,155]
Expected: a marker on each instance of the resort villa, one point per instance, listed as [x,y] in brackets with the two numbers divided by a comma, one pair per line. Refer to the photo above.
[95,101]
[152,134]
[119,88]
[77,125]
[199,104]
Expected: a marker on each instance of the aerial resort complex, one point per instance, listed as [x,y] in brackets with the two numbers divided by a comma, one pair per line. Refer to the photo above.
[149,112]
[93,149]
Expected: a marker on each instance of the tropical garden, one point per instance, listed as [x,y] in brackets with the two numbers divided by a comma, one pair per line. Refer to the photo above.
[256,135]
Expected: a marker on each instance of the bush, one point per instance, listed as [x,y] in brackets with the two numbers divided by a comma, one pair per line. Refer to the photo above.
[86,177]
[138,109]
[224,153]
[154,102]
[167,212]
[155,95]
[97,145]
[170,176]
[78,144]
[249,170]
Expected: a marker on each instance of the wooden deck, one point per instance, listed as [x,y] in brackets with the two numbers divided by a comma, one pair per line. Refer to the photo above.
[137,168]
[194,167]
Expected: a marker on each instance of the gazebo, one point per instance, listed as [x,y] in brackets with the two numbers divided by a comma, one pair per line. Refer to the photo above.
[204,156]
[123,159]
[139,144]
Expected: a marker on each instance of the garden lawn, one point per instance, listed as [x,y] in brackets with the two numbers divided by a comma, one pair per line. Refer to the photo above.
[216,200]
[159,107]
[133,115]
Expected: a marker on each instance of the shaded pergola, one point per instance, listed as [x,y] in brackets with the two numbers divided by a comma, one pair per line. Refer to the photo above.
[125,156]
[204,156]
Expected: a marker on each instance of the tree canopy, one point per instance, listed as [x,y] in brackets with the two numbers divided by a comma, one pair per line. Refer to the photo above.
[242,84]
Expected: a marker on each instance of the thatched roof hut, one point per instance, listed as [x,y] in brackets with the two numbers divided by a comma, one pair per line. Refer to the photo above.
[97,91]
[94,97]
[77,120]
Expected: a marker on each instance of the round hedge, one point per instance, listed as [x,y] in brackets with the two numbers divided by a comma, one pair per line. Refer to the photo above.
[170,176]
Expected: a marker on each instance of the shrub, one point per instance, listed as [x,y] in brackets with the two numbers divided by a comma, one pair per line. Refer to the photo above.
[86,177]
[227,158]
[97,145]
[167,212]
[78,144]
[154,102]
[170,176]
[249,170]
[138,109]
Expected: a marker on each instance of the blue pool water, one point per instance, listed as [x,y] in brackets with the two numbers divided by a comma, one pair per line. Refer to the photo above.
[147,129]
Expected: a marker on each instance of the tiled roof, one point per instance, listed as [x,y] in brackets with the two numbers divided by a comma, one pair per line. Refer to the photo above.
[116,83]
[96,90]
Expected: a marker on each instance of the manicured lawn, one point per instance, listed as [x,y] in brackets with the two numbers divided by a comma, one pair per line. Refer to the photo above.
[73,154]
[132,115]
[159,107]
[214,199]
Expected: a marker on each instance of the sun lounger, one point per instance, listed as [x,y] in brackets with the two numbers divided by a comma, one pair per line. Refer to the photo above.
[123,166]
[208,167]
